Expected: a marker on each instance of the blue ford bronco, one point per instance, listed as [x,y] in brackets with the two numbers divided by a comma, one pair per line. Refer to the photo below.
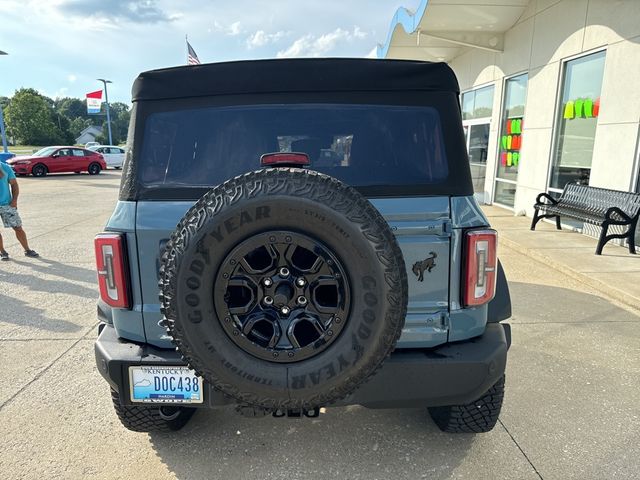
[299,234]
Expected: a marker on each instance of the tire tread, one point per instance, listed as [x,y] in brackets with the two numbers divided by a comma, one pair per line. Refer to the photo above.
[475,417]
[314,186]
[147,419]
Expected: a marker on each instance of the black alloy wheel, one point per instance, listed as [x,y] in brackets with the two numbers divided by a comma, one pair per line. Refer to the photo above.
[39,170]
[94,169]
[285,296]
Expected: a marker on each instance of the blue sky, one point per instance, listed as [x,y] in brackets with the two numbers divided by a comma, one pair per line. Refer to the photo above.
[60,47]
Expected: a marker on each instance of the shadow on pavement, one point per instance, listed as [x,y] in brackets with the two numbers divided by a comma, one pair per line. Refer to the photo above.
[17,312]
[68,284]
[66,271]
[346,442]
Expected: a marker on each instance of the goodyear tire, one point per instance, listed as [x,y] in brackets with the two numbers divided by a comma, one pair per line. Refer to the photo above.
[283,288]
[479,416]
[146,418]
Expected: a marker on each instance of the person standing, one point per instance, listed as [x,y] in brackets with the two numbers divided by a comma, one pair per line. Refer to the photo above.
[9,192]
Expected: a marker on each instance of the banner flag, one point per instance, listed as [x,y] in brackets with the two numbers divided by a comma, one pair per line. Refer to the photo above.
[94,102]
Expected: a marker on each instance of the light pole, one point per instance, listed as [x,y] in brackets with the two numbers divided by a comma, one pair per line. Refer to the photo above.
[106,101]
[2,132]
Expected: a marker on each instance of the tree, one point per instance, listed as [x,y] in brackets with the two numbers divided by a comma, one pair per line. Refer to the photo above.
[30,119]
[4,102]
[64,128]
[120,117]
[71,108]
[77,125]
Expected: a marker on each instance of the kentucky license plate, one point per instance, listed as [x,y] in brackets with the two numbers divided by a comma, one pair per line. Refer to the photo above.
[151,384]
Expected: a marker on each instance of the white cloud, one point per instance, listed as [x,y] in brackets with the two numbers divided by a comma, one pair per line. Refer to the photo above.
[61,92]
[358,32]
[72,78]
[313,46]
[232,30]
[261,38]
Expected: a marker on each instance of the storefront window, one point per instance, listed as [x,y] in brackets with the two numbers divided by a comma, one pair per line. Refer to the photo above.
[477,107]
[510,139]
[577,118]
[477,103]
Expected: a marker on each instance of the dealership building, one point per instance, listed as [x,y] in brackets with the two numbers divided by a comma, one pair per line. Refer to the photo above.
[550,89]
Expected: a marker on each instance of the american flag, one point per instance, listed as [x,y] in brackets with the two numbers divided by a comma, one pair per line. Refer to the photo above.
[192,58]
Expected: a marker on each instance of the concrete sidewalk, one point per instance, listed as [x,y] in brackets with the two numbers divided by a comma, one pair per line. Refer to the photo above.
[615,273]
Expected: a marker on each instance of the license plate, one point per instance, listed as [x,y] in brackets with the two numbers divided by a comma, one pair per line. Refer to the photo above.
[151,384]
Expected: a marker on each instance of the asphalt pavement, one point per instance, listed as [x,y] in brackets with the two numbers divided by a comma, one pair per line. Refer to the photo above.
[571,410]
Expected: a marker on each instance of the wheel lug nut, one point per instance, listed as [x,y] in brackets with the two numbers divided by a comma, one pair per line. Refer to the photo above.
[302,300]
[284,272]
[290,354]
[301,282]
[268,300]
[267,282]
[285,310]
[330,332]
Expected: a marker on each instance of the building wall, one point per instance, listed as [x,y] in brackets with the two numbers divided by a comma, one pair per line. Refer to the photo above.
[549,32]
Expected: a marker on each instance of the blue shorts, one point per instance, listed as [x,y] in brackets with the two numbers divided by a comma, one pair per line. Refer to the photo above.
[10,216]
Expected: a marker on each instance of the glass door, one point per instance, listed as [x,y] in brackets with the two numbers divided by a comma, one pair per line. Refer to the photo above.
[510,140]
[477,136]
[477,108]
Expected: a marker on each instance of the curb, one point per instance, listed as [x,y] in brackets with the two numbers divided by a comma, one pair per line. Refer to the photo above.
[602,287]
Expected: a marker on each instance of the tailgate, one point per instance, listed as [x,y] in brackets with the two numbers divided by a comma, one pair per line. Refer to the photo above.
[421,225]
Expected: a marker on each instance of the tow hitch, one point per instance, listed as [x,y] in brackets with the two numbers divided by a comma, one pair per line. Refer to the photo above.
[297,413]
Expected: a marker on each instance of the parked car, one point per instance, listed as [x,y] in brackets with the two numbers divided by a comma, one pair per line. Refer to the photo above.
[292,284]
[114,156]
[91,144]
[58,160]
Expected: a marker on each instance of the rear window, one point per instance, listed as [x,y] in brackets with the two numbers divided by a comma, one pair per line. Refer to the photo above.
[362,145]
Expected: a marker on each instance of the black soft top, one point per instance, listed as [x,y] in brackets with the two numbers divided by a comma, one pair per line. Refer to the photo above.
[294,75]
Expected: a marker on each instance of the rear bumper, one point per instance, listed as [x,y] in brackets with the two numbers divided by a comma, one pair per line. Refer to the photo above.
[452,374]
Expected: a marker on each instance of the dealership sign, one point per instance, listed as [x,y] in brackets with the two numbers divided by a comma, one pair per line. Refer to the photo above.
[94,102]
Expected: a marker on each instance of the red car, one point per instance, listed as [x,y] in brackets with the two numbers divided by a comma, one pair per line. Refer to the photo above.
[58,160]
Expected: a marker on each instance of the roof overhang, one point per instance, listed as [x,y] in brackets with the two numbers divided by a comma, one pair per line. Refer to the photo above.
[440,29]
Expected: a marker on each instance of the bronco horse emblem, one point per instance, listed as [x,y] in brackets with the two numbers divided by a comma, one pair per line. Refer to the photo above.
[427,264]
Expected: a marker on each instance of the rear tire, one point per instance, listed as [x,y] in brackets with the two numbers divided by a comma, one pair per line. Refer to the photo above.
[39,170]
[475,417]
[151,418]
[94,169]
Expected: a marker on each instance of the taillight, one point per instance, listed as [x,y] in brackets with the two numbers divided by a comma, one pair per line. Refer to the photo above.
[480,266]
[284,159]
[112,269]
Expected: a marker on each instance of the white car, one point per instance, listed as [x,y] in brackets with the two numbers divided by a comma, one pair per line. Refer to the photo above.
[114,156]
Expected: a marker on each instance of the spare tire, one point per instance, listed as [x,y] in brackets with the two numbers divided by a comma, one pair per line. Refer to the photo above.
[283,288]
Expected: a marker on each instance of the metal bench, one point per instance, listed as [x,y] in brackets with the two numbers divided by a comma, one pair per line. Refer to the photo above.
[598,206]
